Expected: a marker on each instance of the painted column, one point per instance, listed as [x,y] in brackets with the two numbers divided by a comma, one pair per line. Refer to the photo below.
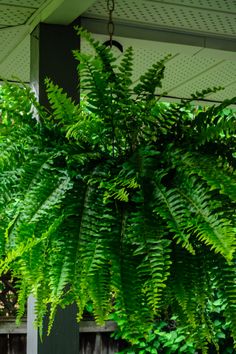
[51,56]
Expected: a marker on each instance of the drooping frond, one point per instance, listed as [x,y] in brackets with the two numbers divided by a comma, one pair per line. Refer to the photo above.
[225,280]
[224,126]
[126,70]
[155,265]
[202,94]
[209,224]
[170,207]
[64,110]
[218,175]
[151,80]
[97,74]
[93,246]
[192,282]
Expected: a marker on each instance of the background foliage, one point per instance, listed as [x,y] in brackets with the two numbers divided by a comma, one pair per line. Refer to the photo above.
[8,296]
[122,201]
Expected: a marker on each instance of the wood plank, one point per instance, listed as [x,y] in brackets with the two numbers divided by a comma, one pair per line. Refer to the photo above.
[98,344]
[4,344]
[17,344]
[8,326]
[92,327]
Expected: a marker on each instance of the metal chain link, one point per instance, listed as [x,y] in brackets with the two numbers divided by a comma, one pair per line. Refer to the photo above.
[110,24]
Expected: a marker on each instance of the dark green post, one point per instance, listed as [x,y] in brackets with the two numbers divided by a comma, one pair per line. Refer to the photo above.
[64,338]
[51,56]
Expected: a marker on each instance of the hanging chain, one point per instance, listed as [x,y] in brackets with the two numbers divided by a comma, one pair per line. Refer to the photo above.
[110,24]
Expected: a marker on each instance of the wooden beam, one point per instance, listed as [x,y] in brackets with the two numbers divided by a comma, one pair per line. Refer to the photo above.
[8,326]
[92,327]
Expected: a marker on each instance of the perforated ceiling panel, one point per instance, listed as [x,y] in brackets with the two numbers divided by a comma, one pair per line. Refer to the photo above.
[228,92]
[185,68]
[186,72]
[16,66]
[18,18]
[210,17]
[222,74]
[14,15]
[218,5]
[9,38]
[24,3]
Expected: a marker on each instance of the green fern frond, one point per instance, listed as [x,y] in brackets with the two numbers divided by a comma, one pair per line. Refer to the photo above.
[64,109]
[151,80]
[225,278]
[126,70]
[17,252]
[218,176]
[87,129]
[208,225]
[203,94]
[154,269]
[170,207]
[119,188]
[192,282]
[214,125]
[152,250]
[104,53]
[97,74]
[22,298]
[183,277]
[8,185]
[129,295]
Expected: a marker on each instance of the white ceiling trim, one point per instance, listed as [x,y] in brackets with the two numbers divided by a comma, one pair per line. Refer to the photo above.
[50,11]
[11,38]
[65,12]
[16,67]
[17,34]
[58,12]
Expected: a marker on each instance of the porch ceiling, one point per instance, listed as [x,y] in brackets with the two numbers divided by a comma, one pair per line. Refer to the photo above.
[200,35]
[18,18]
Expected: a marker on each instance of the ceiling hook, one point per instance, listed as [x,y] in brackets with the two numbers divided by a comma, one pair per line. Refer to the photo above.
[114,43]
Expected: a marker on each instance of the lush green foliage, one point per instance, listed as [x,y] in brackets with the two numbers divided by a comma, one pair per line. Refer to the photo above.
[122,200]
[165,337]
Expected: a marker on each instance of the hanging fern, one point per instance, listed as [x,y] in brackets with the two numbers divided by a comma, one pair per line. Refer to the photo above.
[122,200]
